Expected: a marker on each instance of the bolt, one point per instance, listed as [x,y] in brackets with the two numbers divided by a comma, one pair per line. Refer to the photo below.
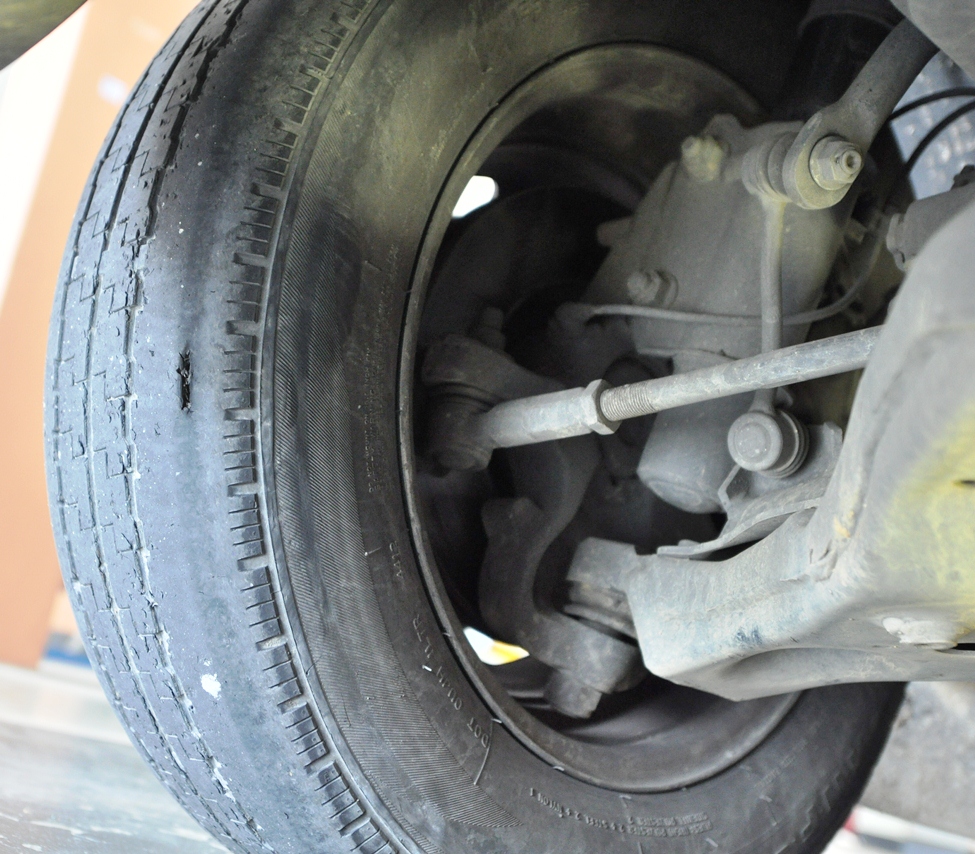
[755,441]
[703,157]
[775,445]
[835,163]
[654,288]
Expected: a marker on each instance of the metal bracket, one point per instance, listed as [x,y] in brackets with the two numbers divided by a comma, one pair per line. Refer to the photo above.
[818,169]
[756,505]
[466,378]
[874,584]
[587,662]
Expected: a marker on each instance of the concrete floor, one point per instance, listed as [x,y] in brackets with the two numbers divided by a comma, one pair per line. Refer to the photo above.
[927,771]
[70,782]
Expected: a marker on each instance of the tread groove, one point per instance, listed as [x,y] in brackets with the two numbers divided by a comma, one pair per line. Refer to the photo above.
[93,427]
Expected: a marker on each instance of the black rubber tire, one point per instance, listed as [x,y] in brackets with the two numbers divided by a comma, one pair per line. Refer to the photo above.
[222,427]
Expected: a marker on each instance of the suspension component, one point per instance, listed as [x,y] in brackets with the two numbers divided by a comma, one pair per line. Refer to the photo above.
[466,377]
[599,408]
[815,168]
[773,444]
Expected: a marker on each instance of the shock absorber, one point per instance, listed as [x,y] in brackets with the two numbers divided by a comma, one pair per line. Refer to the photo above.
[837,38]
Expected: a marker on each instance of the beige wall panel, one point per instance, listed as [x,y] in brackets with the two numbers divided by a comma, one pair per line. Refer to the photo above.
[118,40]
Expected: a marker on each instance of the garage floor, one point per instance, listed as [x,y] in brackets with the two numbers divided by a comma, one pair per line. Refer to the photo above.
[70,782]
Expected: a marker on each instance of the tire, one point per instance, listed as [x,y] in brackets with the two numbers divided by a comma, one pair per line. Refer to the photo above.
[222,419]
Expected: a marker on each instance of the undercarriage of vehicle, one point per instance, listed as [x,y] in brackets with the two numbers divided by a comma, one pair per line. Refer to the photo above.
[679,415]
[838,554]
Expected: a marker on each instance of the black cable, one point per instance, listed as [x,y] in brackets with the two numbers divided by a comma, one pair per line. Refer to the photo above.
[929,137]
[944,94]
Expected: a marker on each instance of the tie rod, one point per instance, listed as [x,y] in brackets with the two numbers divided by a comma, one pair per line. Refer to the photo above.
[599,407]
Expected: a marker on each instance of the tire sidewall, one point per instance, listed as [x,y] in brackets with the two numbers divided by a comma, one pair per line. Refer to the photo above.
[386,674]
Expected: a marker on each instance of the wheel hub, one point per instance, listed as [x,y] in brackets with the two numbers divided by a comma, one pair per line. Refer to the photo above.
[485,534]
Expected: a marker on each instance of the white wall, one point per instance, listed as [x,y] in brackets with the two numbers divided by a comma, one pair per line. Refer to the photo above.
[31,90]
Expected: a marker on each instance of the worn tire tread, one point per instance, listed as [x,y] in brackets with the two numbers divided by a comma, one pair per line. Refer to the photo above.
[94,456]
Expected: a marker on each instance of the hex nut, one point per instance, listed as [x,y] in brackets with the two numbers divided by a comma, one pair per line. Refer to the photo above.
[703,157]
[755,441]
[595,420]
[656,288]
[835,163]
[775,445]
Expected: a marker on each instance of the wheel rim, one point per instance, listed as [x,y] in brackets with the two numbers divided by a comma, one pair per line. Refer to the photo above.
[577,143]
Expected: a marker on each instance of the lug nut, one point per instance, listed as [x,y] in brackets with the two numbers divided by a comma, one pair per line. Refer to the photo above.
[835,163]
